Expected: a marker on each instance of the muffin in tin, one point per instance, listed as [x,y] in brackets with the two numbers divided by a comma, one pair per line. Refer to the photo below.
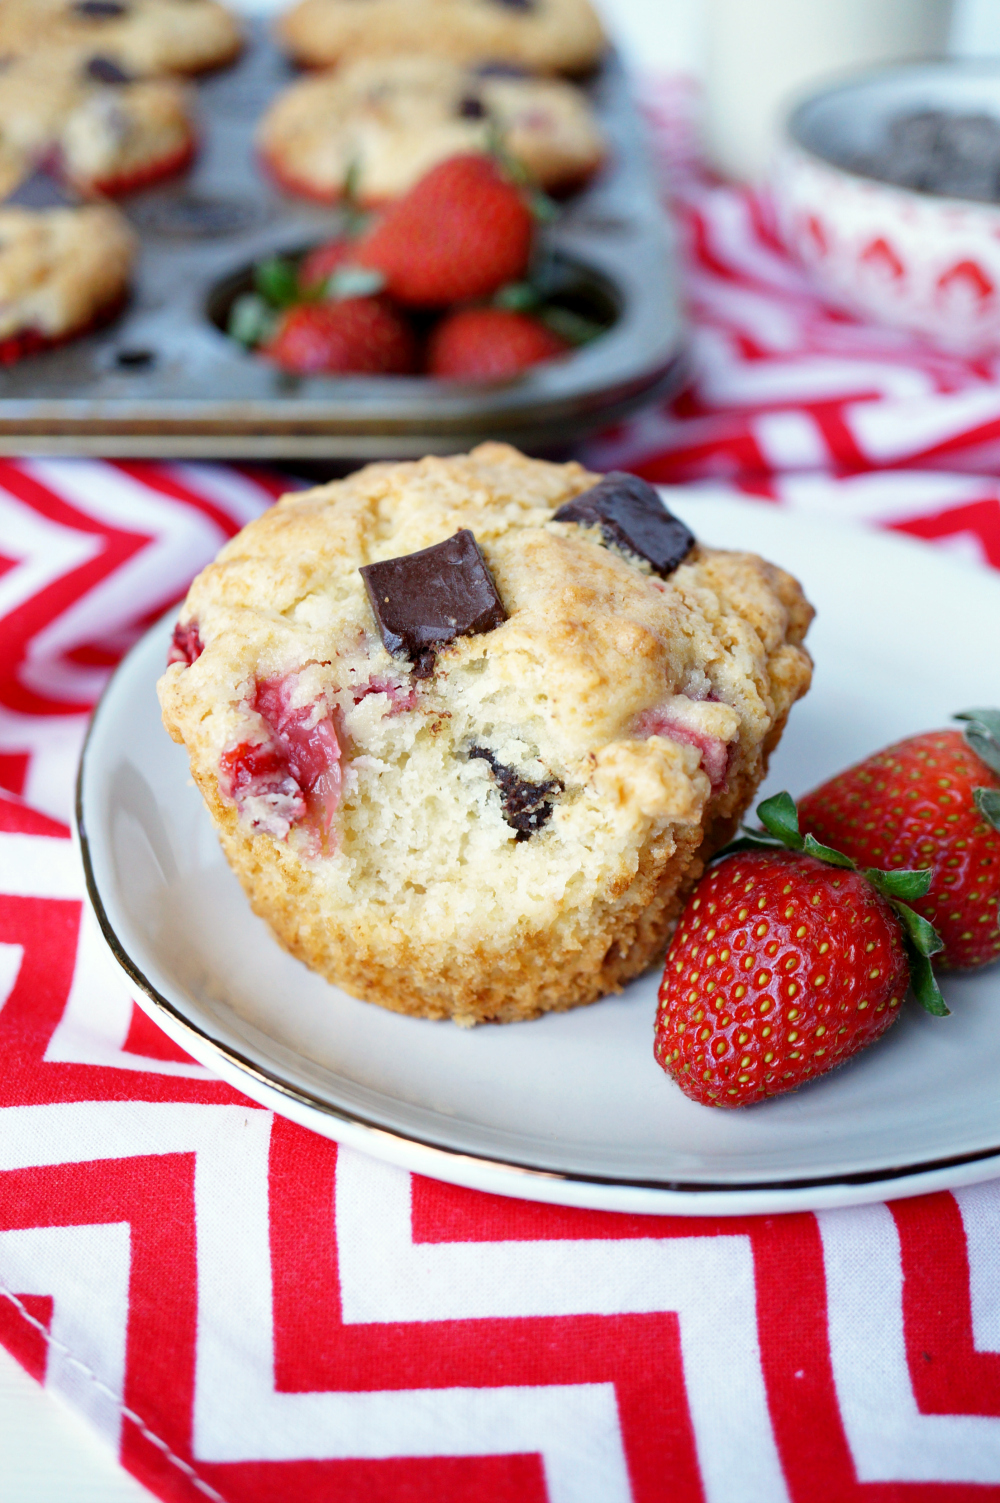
[90,119]
[144,36]
[468,728]
[382,122]
[544,36]
[123,138]
[63,270]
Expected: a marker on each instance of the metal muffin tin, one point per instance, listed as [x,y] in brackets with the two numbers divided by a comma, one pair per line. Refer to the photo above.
[163,380]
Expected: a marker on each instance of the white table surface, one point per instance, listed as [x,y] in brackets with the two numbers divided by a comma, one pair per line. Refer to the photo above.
[47,1455]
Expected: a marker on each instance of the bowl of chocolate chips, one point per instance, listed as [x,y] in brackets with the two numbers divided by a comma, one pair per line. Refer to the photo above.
[887,188]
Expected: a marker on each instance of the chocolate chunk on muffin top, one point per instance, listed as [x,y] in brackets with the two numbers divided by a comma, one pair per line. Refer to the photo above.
[510,832]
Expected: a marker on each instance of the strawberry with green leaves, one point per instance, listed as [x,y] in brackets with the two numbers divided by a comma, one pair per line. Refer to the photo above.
[932,801]
[457,236]
[787,960]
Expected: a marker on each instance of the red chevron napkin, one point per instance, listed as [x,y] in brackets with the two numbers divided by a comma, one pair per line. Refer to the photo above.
[247,1315]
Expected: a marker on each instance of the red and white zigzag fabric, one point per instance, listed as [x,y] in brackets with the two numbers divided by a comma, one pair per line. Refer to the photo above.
[246,1314]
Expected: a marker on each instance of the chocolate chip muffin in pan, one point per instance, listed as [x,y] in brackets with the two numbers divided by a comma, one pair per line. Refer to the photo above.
[468,728]
[120,139]
[103,129]
[383,122]
[143,36]
[64,267]
[544,36]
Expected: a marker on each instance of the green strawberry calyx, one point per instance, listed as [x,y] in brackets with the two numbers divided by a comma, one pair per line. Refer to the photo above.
[254,316]
[982,735]
[899,887]
[532,297]
[354,219]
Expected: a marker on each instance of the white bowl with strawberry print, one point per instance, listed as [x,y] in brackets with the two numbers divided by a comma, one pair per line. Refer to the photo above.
[915,260]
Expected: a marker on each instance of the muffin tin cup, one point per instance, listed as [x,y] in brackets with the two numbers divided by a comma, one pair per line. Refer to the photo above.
[165,380]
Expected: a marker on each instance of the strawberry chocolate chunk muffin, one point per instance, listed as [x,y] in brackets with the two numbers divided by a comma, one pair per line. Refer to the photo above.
[544,36]
[468,728]
[102,128]
[144,36]
[63,268]
[127,136]
[383,122]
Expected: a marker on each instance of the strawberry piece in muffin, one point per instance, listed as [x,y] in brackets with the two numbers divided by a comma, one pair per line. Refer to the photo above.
[287,772]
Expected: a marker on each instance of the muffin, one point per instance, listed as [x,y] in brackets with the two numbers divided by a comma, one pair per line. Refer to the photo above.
[128,136]
[143,36]
[544,36]
[469,728]
[64,268]
[104,130]
[384,122]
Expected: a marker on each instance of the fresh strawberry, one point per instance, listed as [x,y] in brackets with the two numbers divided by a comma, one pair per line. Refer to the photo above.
[323,261]
[786,961]
[460,233]
[932,800]
[477,343]
[360,335]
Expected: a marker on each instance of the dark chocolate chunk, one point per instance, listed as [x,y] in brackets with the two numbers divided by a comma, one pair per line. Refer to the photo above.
[517,4]
[40,190]
[423,600]
[100,10]
[471,107]
[106,70]
[526,806]
[932,151]
[919,131]
[973,137]
[631,515]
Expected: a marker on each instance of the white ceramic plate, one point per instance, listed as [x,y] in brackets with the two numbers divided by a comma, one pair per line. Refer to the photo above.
[573,1108]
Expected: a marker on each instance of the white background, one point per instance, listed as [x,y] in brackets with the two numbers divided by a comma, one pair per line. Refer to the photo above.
[47,1455]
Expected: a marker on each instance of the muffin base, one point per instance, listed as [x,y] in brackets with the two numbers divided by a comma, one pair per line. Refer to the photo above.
[25,342]
[144,177]
[548,972]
